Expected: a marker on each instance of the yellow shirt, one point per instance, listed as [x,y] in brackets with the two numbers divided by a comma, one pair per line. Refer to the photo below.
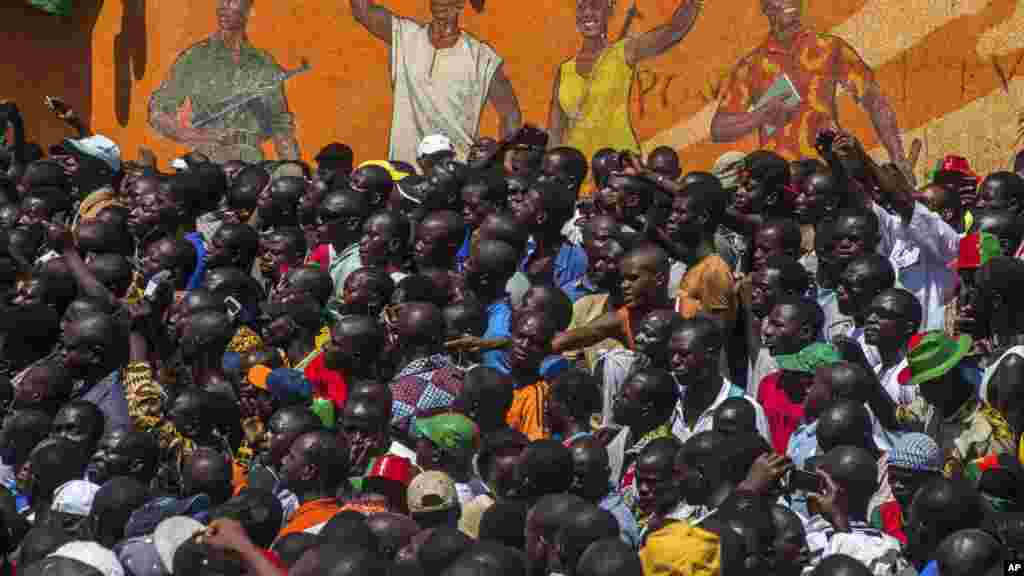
[681,550]
[597,106]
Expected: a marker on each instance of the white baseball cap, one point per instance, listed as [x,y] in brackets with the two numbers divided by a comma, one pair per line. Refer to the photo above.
[74,497]
[171,534]
[99,147]
[92,554]
[433,144]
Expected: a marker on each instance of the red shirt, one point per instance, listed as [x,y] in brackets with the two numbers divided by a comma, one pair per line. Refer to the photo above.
[327,383]
[783,413]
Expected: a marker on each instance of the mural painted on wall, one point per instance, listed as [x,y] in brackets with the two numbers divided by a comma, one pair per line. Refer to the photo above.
[224,97]
[946,73]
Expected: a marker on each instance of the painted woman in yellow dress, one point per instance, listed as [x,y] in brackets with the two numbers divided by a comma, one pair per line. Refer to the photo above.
[590,100]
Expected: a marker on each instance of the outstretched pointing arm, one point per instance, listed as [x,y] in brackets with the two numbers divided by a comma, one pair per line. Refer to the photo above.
[658,41]
[376,19]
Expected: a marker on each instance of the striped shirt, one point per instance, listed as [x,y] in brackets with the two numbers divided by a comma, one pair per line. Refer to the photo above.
[878,551]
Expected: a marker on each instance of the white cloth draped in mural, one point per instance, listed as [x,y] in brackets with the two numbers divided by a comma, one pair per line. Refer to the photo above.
[436,91]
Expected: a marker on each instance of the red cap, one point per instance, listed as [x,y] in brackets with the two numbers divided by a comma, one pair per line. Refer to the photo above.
[958,164]
[393,468]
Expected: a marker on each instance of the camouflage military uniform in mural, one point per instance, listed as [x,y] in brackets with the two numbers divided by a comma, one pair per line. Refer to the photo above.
[206,74]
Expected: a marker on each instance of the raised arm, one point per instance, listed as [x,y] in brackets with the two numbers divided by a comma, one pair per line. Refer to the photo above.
[503,98]
[661,39]
[607,326]
[376,19]
[556,117]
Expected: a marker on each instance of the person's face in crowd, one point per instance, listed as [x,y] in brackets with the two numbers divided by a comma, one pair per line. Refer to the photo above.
[282,429]
[186,414]
[557,416]
[526,206]
[853,291]
[850,240]
[277,254]
[344,352]
[232,15]
[781,331]
[366,435]
[819,395]
[278,331]
[631,403]
[140,187]
[82,351]
[665,164]
[652,337]
[310,199]
[654,485]
[689,360]
[768,242]
[610,202]
[33,211]
[75,425]
[782,14]
[30,292]
[731,421]
[295,470]
[934,197]
[474,206]
[905,483]
[218,253]
[689,474]
[472,278]
[994,194]
[967,301]
[147,212]
[602,232]
[483,148]
[887,325]
[429,456]
[432,242]
[362,181]
[181,312]
[517,161]
[592,17]
[750,195]
[554,168]
[764,291]
[159,255]
[9,216]
[503,469]
[112,458]
[32,389]
[589,475]
[640,283]
[530,344]
[604,270]
[684,225]
[357,295]
[378,241]
[808,203]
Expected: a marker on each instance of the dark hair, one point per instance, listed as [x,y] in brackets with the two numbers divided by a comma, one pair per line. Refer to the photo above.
[441,549]
[349,527]
[291,547]
[578,391]
[583,525]
[499,439]
[493,184]
[293,235]
[793,277]
[546,464]
[809,313]
[609,557]
[113,505]
[790,232]
[258,511]
[504,522]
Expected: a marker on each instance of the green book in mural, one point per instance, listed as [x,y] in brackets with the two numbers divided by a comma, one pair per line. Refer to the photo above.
[59,7]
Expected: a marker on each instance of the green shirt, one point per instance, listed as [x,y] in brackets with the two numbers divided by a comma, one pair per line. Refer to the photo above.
[208,74]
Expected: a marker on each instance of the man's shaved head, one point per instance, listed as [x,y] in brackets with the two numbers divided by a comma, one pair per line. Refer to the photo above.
[844,423]
[968,553]
[420,324]
[650,257]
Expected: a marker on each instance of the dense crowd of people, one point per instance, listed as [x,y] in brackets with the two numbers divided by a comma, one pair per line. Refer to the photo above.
[520,363]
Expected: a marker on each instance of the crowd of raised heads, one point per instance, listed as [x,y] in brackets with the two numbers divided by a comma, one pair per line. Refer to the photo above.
[525,362]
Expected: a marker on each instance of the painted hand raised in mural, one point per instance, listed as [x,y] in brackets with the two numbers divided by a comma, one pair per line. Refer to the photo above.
[191,135]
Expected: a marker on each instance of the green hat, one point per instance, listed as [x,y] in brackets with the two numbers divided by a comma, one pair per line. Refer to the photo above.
[932,354]
[809,359]
[451,431]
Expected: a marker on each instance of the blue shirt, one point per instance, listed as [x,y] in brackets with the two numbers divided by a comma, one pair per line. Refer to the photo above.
[803,444]
[570,264]
[629,530]
[197,276]
[463,253]
[931,569]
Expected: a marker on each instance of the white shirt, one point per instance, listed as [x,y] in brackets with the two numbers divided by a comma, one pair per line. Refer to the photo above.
[436,91]
[920,253]
[706,420]
[889,377]
[874,358]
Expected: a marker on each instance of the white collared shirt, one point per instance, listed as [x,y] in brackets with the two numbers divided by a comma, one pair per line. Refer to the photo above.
[706,420]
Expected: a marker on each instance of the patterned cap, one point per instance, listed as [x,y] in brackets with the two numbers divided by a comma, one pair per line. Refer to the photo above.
[92,554]
[916,452]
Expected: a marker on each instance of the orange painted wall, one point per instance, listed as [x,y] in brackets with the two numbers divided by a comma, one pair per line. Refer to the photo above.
[954,86]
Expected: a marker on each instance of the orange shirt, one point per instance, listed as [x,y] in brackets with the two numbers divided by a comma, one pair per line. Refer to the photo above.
[627,326]
[708,287]
[527,411]
[311,514]
[816,64]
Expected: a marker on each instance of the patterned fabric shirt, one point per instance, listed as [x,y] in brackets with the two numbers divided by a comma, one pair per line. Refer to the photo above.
[424,384]
[245,340]
[816,64]
[976,430]
[881,553]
